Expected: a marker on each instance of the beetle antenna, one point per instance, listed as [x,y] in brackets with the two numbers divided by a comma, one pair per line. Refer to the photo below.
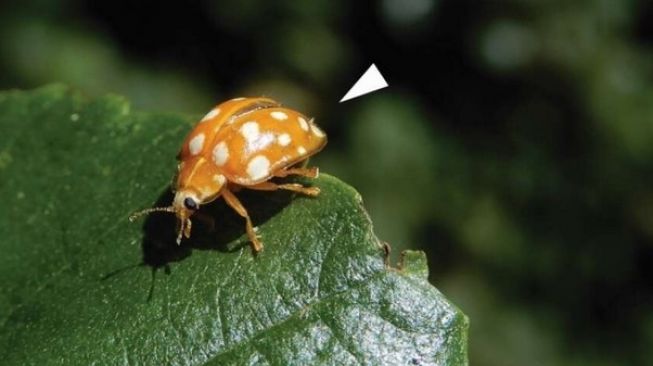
[146,211]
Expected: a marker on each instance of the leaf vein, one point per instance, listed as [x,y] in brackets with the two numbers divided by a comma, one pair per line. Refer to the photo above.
[300,313]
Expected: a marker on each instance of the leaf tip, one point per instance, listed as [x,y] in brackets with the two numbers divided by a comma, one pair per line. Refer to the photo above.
[413,263]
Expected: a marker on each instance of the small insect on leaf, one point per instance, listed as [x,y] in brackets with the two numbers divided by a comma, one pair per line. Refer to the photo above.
[243,142]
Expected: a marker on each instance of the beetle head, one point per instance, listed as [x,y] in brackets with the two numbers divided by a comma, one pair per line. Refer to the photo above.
[183,206]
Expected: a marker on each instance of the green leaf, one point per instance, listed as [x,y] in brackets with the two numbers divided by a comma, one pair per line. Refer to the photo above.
[82,285]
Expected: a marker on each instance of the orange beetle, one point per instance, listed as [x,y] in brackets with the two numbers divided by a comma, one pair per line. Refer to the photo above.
[243,142]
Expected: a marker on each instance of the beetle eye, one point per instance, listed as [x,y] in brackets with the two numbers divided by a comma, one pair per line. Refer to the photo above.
[190,203]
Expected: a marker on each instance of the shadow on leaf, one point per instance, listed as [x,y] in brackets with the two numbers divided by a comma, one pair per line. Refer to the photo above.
[225,234]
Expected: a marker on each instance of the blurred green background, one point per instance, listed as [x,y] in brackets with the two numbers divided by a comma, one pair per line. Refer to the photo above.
[514,144]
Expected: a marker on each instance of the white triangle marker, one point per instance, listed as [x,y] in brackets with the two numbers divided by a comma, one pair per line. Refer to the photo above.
[372,80]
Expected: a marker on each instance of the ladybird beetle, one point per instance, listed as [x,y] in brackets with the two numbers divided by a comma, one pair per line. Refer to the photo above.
[243,142]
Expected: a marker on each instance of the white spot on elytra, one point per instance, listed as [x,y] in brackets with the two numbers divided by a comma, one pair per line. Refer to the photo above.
[255,140]
[284,139]
[220,153]
[301,150]
[219,179]
[249,130]
[279,115]
[316,130]
[196,143]
[261,142]
[258,167]
[302,123]
[237,99]
[212,114]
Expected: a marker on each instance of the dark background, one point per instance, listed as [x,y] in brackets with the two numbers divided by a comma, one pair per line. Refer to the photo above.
[514,144]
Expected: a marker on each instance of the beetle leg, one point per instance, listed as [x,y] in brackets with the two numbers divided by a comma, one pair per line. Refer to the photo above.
[304,172]
[233,201]
[295,187]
